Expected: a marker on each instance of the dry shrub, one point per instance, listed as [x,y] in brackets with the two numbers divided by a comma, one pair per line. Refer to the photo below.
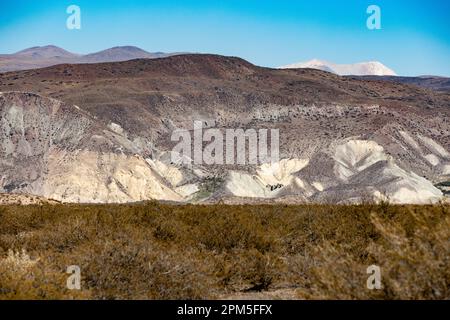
[24,277]
[120,270]
[412,250]
[248,270]
[160,251]
[415,259]
[227,231]
[332,272]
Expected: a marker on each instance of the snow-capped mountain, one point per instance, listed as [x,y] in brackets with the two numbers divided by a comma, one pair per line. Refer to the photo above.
[372,68]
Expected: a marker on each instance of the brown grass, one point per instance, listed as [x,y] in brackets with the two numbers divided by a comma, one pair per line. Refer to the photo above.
[158,251]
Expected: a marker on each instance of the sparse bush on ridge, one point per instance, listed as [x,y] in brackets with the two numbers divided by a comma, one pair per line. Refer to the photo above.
[159,251]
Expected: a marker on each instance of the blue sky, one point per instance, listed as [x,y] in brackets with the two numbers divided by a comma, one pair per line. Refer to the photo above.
[414,39]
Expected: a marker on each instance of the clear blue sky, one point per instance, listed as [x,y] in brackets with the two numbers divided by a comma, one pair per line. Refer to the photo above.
[414,39]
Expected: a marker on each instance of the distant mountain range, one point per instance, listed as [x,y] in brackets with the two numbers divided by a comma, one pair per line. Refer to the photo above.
[373,68]
[45,56]
[50,55]
[373,71]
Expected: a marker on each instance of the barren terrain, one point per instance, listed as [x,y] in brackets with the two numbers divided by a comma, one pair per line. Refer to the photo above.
[101,133]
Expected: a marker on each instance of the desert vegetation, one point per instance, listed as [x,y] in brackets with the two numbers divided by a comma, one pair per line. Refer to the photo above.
[162,251]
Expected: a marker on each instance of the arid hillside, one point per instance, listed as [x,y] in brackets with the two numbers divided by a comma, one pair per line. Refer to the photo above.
[341,139]
[429,82]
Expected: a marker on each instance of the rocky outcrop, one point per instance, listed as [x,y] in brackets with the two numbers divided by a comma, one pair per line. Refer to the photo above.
[57,151]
